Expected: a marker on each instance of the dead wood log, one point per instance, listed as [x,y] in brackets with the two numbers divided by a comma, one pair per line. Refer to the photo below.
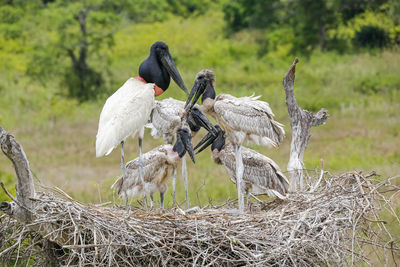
[301,122]
[20,207]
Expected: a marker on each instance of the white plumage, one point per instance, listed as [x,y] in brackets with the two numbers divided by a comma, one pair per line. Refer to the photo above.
[124,114]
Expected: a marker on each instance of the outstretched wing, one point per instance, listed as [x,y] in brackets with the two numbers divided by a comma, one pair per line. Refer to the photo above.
[124,114]
[250,116]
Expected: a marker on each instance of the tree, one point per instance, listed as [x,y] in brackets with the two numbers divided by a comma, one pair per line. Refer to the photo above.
[313,23]
[83,81]
[311,20]
[307,18]
[252,14]
[72,38]
[80,31]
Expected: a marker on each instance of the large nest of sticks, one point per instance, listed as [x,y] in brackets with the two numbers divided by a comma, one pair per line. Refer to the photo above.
[335,222]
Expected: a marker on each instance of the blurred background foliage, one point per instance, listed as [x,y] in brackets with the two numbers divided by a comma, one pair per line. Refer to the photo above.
[60,60]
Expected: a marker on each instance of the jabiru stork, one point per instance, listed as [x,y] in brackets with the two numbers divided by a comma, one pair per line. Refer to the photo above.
[242,118]
[261,173]
[158,164]
[167,117]
[127,111]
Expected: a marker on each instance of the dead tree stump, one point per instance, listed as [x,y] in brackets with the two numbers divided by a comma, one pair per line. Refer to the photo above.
[301,122]
[20,207]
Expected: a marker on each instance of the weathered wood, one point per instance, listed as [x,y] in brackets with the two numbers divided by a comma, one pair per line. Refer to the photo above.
[301,122]
[20,207]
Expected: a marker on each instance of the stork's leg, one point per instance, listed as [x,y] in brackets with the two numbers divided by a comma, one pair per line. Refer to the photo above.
[123,167]
[162,200]
[151,201]
[247,197]
[141,171]
[185,180]
[239,175]
[173,187]
[127,206]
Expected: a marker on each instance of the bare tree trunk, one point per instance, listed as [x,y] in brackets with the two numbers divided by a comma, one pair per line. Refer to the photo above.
[21,206]
[301,122]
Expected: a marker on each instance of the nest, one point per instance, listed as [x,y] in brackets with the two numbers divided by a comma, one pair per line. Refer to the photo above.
[335,222]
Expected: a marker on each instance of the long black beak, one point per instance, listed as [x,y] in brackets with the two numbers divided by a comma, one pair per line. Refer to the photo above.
[186,139]
[197,89]
[200,119]
[169,64]
[208,140]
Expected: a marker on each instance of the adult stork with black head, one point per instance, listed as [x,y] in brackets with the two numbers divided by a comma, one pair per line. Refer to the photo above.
[127,111]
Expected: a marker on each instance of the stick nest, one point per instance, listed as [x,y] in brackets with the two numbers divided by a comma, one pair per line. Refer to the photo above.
[337,221]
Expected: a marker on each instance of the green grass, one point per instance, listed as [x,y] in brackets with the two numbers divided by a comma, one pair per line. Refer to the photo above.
[361,92]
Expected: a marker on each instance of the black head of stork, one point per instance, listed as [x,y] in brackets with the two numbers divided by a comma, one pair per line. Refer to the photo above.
[159,67]
[196,119]
[204,84]
[216,141]
[184,143]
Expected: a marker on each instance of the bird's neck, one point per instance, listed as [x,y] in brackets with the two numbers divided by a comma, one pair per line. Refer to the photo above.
[157,90]
[152,71]
[215,156]
[207,105]
[172,156]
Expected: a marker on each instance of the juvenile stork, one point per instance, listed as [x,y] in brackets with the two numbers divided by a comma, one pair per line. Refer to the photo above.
[158,164]
[242,118]
[261,173]
[127,111]
[167,117]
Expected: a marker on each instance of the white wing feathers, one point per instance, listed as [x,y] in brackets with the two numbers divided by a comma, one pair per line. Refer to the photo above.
[124,114]
[250,116]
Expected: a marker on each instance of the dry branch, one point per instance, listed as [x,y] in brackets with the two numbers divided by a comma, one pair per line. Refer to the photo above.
[25,188]
[335,224]
[301,122]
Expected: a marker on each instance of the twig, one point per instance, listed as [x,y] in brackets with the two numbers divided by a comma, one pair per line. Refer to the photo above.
[12,198]
[308,228]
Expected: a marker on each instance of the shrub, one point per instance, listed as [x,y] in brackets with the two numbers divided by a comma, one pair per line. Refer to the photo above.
[371,37]
[377,84]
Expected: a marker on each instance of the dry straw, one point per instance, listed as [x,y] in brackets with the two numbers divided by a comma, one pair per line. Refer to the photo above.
[338,221]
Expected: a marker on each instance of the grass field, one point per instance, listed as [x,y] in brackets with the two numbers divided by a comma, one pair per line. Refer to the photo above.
[360,91]
[359,136]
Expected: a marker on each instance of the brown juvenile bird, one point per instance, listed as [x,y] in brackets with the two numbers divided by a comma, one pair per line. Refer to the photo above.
[242,118]
[261,173]
[158,165]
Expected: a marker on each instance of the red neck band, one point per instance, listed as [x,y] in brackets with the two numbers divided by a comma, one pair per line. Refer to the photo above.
[157,90]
